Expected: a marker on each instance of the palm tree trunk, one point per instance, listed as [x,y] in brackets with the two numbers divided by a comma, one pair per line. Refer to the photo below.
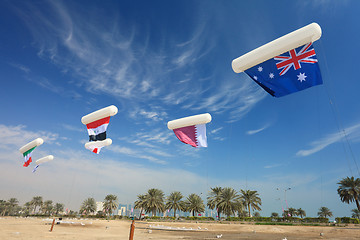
[174,212]
[140,213]
[218,215]
[357,203]
[249,209]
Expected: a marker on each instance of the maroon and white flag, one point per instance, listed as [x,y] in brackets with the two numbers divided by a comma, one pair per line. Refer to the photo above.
[193,135]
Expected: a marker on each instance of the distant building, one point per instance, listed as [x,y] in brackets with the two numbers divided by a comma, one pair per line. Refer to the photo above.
[99,206]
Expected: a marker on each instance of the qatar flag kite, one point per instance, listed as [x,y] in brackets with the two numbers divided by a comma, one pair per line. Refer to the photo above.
[27,150]
[96,124]
[191,130]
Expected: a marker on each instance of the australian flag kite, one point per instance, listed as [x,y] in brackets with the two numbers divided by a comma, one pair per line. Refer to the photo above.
[289,72]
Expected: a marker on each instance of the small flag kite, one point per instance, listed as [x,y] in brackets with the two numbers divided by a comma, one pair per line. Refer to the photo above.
[191,130]
[287,73]
[285,65]
[96,124]
[42,160]
[27,150]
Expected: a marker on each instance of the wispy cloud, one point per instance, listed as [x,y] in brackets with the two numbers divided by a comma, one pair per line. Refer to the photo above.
[20,67]
[19,136]
[155,114]
[135,154]
[72,128]
[352,132]
[114,58]
[252,132]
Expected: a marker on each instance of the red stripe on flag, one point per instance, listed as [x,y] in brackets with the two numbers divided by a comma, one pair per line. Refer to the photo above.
[98,123]
[27,163]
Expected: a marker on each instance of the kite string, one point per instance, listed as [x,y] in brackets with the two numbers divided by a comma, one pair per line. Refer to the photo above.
[336,116]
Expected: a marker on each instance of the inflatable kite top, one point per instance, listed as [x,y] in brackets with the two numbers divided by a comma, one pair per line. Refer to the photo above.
[99,114]
[96,124]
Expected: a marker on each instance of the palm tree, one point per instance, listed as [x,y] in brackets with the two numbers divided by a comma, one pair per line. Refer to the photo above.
[174,202]
[13,203]
[110,203]
[213,200]
[194,204]
[154,201]
[356,213]
[4,207]
[349,190]
[59,207]
[292,212]
[37,202]
[27,208]
[301,212]
[88,206]
[229,201]
[47,207]
[140,204]
[251,199]
[324,212]
[274,215]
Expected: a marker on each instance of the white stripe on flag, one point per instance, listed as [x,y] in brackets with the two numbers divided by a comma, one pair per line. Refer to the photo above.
[98,130]
[28,156]
[201,135]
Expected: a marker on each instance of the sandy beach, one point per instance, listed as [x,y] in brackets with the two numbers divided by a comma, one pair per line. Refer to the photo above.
[37,228]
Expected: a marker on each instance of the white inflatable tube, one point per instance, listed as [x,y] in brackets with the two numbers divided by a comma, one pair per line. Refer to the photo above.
[30,145]
[99,114]
[98,144]
[302,36]
[45,159]
[189,121]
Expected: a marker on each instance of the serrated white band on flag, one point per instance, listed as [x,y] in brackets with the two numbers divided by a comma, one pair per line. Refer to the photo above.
[201,135]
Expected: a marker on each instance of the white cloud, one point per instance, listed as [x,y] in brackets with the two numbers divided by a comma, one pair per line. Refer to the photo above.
[252,132]
[352,132]
[135,154]
[113,58]
[21,67]
[19,136]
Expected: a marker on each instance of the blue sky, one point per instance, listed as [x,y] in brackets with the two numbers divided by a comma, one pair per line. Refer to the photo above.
[162,60]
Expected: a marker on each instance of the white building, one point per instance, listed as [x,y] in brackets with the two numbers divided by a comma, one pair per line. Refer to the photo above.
[99,206]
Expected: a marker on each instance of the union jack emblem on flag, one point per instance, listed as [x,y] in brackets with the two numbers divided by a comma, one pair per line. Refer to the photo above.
[305,55]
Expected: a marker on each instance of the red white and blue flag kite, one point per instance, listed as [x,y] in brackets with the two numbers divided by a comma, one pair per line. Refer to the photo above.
[285,65]
[96,124]
[287,73]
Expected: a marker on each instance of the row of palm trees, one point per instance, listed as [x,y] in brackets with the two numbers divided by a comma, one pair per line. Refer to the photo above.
[35,206]
[225,200]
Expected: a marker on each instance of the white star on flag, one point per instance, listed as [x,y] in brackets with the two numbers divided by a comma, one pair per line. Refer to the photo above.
[255,77]
[271,75]
[260,69]
[301,77]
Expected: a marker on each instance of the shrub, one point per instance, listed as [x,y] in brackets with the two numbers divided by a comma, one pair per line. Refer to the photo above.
[347,220]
